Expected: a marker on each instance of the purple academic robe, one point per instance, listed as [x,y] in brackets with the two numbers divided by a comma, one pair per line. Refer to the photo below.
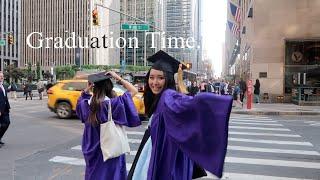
[123,113]
[186,129]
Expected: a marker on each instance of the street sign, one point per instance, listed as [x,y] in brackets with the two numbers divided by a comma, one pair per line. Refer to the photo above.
[136,27]
[2,42]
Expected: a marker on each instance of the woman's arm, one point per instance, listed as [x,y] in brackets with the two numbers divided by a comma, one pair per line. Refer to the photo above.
[133,91]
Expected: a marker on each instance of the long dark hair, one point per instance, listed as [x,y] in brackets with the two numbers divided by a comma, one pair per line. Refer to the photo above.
[257,82]
[100,90]
[151,100]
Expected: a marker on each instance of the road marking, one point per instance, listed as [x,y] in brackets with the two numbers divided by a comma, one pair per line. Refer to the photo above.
[256,121]
[135,141]
[269,162]
[226,175]
[240,176]
[128,166]
[262,124]
[259,128]
[133,153]
[68,160]
[252,118]
[263,134]
[77,148]
[315,124]
[270,150]
[271,141]
[135,133]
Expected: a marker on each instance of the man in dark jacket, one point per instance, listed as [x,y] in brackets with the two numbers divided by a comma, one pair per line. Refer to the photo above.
[243,89]
[4,109]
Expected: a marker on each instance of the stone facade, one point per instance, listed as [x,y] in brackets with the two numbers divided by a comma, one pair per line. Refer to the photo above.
[262,46]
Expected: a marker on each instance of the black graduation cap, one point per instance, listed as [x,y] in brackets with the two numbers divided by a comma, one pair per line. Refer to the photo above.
[93,78]
[163,61]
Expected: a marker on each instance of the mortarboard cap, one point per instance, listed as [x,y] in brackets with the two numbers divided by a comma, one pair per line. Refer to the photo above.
[93,78]
[163,61]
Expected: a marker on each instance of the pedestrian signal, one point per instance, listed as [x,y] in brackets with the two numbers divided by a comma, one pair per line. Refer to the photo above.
[95,17]
[10,39]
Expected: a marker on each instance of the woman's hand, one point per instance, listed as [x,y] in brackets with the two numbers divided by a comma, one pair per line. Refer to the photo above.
[124,83]
[89,87]
[114,75]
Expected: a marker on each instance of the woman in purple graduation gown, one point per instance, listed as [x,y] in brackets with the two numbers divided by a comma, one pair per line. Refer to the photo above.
[184,130]
[92,110]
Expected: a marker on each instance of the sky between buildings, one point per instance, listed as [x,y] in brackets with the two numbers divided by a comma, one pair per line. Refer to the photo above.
[214,25]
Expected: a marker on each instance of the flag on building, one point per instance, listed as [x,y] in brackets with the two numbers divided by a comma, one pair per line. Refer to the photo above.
[234,28]
[235,11]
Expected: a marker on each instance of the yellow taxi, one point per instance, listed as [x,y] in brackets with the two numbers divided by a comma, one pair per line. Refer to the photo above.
[63,96]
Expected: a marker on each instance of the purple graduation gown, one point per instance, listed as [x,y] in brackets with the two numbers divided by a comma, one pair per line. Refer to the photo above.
[186,129]
[123,113]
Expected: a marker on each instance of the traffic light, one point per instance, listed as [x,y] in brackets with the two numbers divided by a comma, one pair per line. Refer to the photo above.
[10,39]
[189,66]
[95,17]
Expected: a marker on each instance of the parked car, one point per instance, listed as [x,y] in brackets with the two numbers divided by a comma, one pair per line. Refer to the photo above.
[63,97]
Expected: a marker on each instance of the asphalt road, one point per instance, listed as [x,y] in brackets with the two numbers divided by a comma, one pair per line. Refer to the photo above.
[41,146]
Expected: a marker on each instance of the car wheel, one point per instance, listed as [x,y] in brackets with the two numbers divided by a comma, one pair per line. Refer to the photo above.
[64,110]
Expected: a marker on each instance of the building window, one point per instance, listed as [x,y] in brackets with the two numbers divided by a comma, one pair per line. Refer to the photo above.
[263,74]
[244,30]
[250,13]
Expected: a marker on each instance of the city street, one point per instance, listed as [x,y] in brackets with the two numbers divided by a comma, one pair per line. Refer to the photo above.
[41,146]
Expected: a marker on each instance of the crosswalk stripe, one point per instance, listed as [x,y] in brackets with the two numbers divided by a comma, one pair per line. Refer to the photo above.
[297,143]
[226,175]
[248,116]
[271,150]
[128,165]
[68,160]
[269,162]
[259,128]
[134,141]
[135,133]
[256,121]
[263,134]
[76,147]
[252,118]
[241,176]
[133,153]
[249,123]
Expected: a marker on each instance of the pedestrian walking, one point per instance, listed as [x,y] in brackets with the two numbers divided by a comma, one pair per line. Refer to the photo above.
[40,88]
[193,89]
[243,89]
[222,87]
[180,127]
[203,85]
[13,90]
[27,90]
[93,112]
[4,109]
[256,91]
[236,96]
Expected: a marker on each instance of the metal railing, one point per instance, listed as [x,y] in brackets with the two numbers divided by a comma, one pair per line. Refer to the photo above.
[306,95]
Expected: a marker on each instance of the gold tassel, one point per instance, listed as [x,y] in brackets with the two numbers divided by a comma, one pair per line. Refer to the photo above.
[181,86]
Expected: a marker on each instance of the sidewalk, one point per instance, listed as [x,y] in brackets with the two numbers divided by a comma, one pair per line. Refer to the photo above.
[277,109]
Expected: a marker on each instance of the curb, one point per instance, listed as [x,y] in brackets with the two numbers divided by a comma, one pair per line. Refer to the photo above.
[276,113]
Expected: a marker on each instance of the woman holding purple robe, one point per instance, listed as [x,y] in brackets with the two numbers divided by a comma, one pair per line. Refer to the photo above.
[93,110]
[185,133]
